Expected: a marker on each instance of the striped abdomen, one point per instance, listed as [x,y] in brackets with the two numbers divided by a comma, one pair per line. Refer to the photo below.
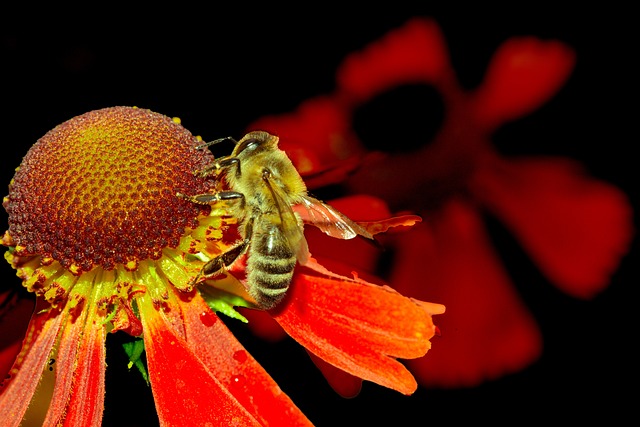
[270,264]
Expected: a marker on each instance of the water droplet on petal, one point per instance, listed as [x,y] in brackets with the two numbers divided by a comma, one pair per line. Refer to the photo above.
[237,382]
[240,356]
[208,318]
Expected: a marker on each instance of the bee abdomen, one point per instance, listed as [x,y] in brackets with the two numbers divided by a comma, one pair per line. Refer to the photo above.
[270,278]
[269,289]
[275,266]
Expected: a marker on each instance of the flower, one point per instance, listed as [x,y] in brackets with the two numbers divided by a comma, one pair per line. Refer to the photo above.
[98,234]
[574,227]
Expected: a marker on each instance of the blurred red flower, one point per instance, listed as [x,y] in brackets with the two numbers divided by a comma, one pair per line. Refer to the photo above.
[574,227]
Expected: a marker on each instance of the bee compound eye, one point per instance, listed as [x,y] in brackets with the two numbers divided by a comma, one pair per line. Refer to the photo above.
[249,144]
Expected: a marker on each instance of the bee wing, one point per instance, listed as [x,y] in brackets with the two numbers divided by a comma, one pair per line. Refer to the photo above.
[330,220]
[291,224]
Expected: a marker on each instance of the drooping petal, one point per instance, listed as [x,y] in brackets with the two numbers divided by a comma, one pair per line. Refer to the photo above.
[64,365]
[236,369]
[488,331]
[78,397]
[185,391]
[413,53]
[17,391]
[87,400]
[575,227]
[523,74]
[358,327]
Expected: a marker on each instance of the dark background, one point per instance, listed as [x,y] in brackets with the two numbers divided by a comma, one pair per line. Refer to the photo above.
[218,73]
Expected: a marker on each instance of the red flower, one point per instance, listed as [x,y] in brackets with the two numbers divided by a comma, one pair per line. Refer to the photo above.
[98,234]
[574,227]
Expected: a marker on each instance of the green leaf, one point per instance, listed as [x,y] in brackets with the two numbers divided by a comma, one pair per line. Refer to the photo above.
[134,350]
[224,302]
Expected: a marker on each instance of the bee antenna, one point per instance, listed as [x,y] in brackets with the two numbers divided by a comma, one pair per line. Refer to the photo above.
[216,141]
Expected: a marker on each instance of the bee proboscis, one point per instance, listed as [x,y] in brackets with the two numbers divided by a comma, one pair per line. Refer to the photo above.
[263,186]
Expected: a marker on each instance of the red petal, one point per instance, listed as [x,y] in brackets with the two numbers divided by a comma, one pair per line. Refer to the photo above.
[414,53]
[16,393]
[487,331]
[317,137]
[78,397]
[575,227]
[235,369]
[325,175]
[523,74]
[358,327]
[185,391]
[361,207]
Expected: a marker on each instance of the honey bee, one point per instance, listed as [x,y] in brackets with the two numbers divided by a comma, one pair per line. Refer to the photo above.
[263,186]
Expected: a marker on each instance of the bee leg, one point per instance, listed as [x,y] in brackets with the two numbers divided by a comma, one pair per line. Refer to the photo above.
[209,199]
[216,141]
[216,167]
[221,262]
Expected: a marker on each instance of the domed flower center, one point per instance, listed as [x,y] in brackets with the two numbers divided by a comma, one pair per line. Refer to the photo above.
[100,190]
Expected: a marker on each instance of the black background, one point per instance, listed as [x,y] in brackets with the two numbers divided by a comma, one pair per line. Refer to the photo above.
[218,73]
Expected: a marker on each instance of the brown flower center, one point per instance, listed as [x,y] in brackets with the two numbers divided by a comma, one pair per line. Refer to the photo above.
[100,188]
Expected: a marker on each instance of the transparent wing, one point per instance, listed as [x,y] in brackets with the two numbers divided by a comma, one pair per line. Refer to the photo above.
[291,224]
[330,220]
